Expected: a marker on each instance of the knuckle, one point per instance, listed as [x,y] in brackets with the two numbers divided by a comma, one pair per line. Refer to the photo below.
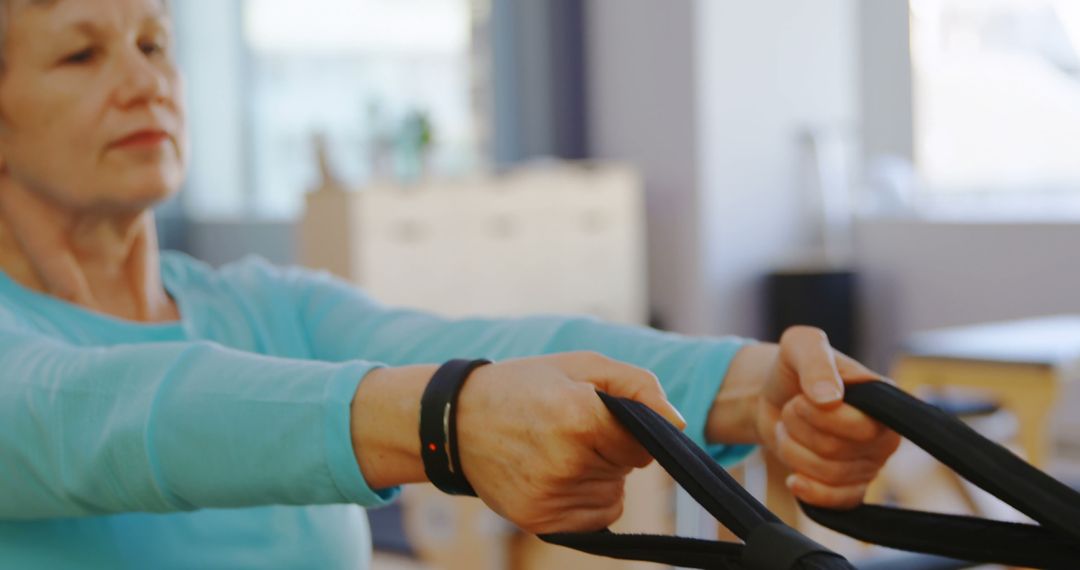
[568,407]
[790,413]
[608,495]
[890,443]
[817,468]
[853,496]
[576,413]
[617,493]
[812,493]
[592,357]
[642,459]
[870,471]
[785,452]
[821,493]
[613,513]
[524,515]
[802,408]
[830,447]
[530,492]
[540,524]
[865,431]
[569,469]
[835,473]
[650,381]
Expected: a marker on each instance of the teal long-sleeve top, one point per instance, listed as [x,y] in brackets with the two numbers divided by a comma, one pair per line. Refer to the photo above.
[222,440]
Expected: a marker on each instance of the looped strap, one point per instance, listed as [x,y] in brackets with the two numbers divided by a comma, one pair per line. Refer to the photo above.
[770,545]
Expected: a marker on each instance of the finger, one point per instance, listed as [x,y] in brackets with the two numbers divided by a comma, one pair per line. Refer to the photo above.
[600,446]
[591,494]
[845,421]
[581,520]
[616,445]
[821,442]
[625,381]
[807,358]
[822,495]
[838,473]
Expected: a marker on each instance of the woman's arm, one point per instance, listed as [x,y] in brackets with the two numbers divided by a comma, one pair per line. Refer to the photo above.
[343,323]
[171,427]
[731,392]
[183,426]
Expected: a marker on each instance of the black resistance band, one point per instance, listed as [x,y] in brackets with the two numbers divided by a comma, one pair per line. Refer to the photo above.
[770,544]
[1054,544]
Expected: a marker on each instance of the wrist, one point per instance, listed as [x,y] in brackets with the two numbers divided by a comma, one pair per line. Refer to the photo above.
[385,414]
[733,417]
[733,420]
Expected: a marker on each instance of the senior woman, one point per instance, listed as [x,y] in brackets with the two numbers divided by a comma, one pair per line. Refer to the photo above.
[158,413]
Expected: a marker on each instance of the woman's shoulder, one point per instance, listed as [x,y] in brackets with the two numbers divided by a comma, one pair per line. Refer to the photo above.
[178,267]
[249,274]
[7,319]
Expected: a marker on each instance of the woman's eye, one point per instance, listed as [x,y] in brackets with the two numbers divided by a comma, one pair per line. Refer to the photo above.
[152,48]
[81,56]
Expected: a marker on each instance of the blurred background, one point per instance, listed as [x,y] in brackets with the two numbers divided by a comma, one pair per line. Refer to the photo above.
[904,174]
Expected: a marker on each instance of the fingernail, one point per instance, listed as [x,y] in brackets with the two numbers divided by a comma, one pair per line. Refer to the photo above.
[678,415]
[791,481]
[825,392]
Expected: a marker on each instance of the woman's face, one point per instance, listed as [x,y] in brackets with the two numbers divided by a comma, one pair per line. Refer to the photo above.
[91,111]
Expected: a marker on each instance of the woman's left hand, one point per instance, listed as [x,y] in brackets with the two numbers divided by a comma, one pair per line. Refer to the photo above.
[833,449]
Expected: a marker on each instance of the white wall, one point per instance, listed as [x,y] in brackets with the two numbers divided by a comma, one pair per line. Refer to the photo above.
[215,86]
[923,275]
[220,241]
[885,96]
[642,108]
[708,98]
[767,70]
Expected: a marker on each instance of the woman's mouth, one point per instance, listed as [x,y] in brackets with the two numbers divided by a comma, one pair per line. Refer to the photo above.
[147,138]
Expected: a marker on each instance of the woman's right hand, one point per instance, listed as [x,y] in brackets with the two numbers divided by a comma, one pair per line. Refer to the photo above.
[540,447]
[536,443]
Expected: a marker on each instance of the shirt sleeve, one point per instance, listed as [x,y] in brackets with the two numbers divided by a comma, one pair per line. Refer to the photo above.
[342,323]
[171,427]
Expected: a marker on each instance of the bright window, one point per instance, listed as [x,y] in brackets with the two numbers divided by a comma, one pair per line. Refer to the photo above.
[997,96]
[269,76]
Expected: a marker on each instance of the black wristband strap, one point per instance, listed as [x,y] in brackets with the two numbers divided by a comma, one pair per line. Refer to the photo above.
[438,427]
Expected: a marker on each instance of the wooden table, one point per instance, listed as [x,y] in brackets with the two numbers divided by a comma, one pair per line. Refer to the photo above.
[1021,365]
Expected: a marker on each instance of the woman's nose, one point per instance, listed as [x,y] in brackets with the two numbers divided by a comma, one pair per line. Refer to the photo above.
[140,81]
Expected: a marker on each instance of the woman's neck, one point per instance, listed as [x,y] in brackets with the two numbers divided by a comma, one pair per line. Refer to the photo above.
[108,263]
